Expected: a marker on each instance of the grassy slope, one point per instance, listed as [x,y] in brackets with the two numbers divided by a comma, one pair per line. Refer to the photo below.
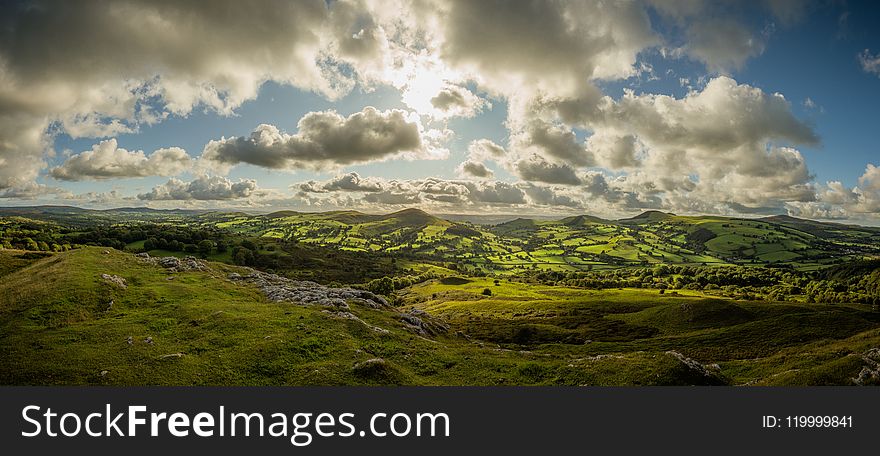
[752,342]
[55,328]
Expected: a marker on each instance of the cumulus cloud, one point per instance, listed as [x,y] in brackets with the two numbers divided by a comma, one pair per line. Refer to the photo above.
[550,196]
[835,200]
[113,59]
[203,188]
[107,160]
[720,34]
[708,149]
[544,45]
[723,45]
[327,140]
[870,62]
[123,64]
[474,169]
[537,169]
[554,141]
[429,190]
[612,151]
[485,149]
[350,182]
[458,101]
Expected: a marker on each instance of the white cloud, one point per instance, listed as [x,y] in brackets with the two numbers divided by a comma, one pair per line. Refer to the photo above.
[106,161]
[535,168]
[474,169]
[350,182]
[326,140]
[203,188]
[124,64]
[453,101]
[614,151]
[485,149]
[723,45]
[870,62]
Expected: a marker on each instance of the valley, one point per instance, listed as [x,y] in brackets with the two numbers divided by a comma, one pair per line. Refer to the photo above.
[87,297]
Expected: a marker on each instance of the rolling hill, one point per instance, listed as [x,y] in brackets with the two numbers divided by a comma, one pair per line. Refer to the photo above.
[105,317]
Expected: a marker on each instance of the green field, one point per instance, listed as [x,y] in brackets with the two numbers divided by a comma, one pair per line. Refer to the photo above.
[657,299]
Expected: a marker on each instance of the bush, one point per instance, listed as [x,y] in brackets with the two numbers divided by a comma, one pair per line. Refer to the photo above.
[487,292]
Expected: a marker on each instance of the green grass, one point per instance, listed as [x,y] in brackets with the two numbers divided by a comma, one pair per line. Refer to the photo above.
[57,327]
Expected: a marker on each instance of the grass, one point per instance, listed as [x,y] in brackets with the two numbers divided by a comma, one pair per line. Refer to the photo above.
[57,327]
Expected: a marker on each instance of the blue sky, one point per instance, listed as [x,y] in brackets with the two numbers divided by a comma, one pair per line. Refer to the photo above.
[577,116]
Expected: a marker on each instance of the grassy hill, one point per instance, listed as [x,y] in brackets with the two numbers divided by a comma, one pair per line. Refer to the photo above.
[579,242]
[61,322]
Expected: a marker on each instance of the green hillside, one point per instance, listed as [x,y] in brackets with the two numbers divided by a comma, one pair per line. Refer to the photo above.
[136,296]
[62,322]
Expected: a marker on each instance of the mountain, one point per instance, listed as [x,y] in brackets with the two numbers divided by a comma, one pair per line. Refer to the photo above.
[572,243]
[414,217]
[646,217]
[580,220]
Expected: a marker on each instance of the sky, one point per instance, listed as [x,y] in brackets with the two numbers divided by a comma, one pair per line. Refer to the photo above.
[539,107]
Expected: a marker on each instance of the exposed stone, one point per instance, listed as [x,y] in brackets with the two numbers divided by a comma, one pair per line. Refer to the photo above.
[421,322]
[709,372]
[870,373]
[115,280]
[148,340]
[174,264]
[143,255]
[346,315]
[130,340]
[307,293]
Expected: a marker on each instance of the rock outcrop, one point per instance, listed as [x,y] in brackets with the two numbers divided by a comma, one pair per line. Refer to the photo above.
[711,371]
[282,289]
[870,373]
[422,323]
[174,264]
[115,280]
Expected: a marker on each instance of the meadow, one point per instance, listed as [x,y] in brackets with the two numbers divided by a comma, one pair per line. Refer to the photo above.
[654,300]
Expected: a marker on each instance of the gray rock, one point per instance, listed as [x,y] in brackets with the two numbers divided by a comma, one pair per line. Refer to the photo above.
[175,264]
[693,364]
[870,373]
[115,280]
[422,323]
[307,293]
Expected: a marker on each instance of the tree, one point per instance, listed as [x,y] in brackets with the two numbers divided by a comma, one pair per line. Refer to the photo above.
[30,244]
[242,256]
[205,247]
[383,286]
